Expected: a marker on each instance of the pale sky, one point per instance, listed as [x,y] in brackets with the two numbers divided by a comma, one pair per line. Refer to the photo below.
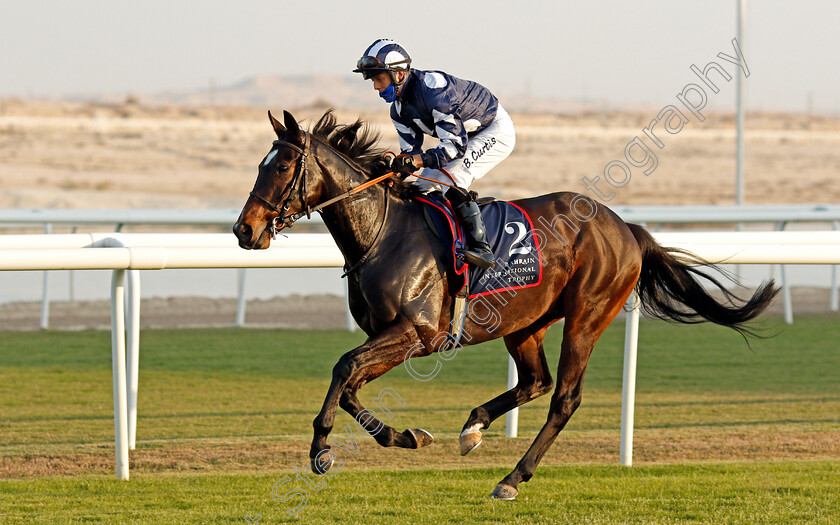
[612,50]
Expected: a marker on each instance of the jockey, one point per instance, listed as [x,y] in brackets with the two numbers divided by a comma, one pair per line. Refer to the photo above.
[474,131]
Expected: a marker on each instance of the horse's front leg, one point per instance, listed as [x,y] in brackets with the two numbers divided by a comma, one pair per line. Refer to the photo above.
[384,434]
[383,349]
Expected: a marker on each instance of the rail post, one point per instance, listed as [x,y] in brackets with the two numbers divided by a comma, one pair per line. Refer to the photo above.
[512,417]
[45,297]
[628,389]
[118,371]
[132,352]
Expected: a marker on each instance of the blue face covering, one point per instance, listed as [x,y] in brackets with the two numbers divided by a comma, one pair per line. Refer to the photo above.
[389,93]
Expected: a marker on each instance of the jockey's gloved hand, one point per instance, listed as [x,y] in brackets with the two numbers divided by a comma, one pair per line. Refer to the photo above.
[404,165]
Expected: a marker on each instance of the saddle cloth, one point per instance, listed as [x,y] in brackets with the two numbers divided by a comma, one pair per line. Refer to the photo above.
[510,234]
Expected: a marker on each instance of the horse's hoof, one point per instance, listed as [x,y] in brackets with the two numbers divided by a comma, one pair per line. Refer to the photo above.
[469,441]
[504,492]
[323,462]
[421,437]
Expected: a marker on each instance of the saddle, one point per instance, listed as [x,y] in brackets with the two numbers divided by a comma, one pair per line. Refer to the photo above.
[435,221]
[511,236]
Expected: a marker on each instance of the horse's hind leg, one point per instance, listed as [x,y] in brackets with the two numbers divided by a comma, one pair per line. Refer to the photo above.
[534,380]
[588,317]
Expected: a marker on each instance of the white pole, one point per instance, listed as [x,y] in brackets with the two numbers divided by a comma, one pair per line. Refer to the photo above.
[512,417]
[787,303]
[118,365]
[45,298]
[739,108]
[739,124]
[351,323]
[628,390]
[72,276]
[786,299]
[834,298]
[240,307]
[133,352]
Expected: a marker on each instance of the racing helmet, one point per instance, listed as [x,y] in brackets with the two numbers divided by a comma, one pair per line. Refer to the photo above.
[383,55]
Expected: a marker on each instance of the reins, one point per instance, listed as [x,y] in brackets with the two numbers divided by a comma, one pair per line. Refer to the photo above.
[344,195]
[365,256]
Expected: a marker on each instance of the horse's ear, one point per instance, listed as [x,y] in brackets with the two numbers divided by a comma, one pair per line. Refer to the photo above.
[295,133]
[278,128]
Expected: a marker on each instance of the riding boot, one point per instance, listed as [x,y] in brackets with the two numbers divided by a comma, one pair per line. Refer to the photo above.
[477,252]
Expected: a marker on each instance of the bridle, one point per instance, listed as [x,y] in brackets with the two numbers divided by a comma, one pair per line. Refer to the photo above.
[286,221]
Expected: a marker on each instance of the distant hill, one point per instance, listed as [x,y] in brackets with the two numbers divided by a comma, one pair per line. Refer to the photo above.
[298,91]
[279,91]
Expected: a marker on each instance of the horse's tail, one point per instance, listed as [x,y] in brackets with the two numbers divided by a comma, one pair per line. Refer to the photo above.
[669,289]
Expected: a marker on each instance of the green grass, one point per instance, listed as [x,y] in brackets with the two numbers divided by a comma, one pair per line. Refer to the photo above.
[55,387]
[797,492]
[224,413]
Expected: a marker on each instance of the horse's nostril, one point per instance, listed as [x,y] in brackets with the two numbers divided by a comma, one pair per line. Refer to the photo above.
[242,231]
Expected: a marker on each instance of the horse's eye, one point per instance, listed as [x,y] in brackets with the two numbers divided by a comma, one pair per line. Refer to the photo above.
[281,169]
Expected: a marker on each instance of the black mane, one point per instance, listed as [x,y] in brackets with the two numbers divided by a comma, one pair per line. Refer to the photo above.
[359,142]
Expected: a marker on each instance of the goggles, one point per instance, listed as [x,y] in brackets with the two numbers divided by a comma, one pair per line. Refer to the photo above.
[370,66]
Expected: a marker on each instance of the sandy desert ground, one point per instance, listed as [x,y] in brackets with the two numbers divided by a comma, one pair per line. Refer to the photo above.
[62,155]
[68,155]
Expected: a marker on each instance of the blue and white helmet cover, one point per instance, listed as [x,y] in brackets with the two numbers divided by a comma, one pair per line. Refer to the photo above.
[390,53]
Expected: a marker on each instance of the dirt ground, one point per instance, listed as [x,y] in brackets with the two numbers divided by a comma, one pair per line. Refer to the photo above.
[246,455]
[320,312]
[62,155]
[309,312]
[84,156]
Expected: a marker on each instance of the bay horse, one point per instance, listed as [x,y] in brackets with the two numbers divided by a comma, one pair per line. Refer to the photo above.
[401,292]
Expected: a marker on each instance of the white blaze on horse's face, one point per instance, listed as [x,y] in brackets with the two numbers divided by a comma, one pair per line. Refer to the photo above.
[270,156]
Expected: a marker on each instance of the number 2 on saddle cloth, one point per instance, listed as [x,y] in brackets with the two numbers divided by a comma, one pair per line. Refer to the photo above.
[511,236]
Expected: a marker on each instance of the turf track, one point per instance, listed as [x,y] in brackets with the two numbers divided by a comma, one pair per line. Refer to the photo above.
[226,413]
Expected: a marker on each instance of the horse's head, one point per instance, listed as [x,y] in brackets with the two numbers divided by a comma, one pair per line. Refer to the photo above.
[281,189]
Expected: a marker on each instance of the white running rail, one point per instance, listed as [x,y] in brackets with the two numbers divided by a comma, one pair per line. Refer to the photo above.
[122,252]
